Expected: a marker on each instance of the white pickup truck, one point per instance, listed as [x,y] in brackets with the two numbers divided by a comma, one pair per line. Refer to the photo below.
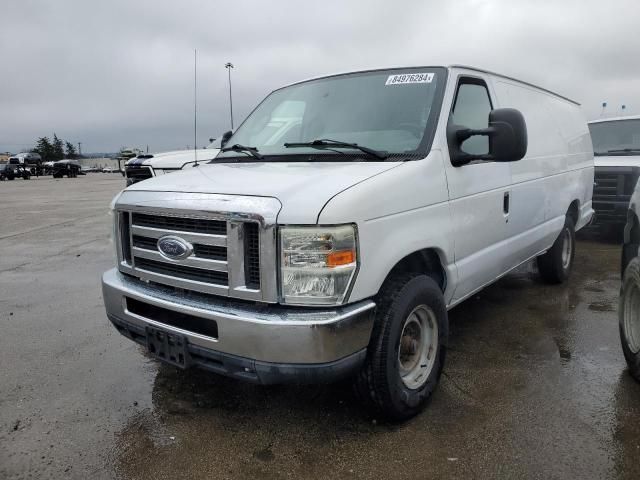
[147,165]
[335,248]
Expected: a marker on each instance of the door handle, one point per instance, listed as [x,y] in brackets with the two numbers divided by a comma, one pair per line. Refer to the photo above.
[505,203]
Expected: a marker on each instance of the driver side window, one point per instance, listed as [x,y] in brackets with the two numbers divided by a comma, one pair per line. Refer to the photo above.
[471,110]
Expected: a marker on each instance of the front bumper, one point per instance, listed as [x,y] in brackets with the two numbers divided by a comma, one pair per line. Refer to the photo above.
[255,342]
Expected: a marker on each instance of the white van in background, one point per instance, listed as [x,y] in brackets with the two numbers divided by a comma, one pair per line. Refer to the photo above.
[148,165]
[337,248]
[616,146]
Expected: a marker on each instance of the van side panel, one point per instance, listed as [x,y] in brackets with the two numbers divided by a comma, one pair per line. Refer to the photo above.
[575,132]
[555,171]
[400,212]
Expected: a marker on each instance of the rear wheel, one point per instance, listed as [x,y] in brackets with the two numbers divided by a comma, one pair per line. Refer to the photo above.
[629,317]
[555,265]
[407,348]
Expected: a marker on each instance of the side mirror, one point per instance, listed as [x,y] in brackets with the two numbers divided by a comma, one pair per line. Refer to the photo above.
[225,138]
[507,134]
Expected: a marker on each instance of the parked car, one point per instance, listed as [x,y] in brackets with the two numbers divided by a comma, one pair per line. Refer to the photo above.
[69,168]
[336,250]
[616,146]
[629,308]
[31,161]
[147,165]
[48,167]
[11,171]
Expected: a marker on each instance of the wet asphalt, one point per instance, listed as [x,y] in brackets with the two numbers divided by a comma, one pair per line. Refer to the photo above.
[535,385]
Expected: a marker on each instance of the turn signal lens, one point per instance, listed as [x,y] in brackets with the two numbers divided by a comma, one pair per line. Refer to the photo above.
[342,257]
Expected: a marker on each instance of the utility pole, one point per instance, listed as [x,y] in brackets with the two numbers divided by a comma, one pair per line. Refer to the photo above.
[229,66]
[79,149]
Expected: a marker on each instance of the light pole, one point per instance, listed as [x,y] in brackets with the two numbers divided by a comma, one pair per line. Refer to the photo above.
[229,66]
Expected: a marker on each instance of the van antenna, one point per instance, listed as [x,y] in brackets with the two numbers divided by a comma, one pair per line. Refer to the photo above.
[195,106]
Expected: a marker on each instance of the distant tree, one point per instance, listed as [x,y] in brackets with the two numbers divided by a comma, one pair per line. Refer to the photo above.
[44,148]
[71,150]
[57,148]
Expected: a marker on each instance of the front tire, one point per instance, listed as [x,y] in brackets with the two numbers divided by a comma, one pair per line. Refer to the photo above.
[555,265]
[407,349]
[629,317]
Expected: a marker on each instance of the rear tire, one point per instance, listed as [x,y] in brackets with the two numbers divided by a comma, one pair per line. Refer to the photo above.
[555,265]
[407,349]
[629,317]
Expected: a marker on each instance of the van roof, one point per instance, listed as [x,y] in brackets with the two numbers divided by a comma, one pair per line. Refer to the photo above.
[615,119]
[466,67]
[475,69]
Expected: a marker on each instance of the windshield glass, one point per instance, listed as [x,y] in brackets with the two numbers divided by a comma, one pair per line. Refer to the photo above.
[384,110]
[618,137]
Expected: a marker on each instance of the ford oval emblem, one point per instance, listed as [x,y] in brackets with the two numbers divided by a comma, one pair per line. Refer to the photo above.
[174,248]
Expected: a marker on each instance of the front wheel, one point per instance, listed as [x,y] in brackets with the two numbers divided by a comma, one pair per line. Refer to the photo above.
[555,265]
[407,349]
[629,316]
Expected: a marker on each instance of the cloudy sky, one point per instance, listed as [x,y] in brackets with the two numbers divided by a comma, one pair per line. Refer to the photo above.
[120,72]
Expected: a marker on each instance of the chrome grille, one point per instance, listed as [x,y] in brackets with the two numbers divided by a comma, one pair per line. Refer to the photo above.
[189,273]
[225,259]
[251,255]
[195,225]
[609,186]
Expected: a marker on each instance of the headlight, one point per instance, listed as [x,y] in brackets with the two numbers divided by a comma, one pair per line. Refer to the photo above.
[317,264]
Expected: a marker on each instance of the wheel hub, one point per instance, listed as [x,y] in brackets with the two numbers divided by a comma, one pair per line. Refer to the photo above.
[418,346]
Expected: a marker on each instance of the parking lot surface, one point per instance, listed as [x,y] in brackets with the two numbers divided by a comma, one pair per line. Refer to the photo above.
[535,385]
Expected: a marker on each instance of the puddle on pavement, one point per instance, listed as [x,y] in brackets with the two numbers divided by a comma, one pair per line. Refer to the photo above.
[534,371]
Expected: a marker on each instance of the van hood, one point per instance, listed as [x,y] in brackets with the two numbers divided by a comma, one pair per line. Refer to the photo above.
[303,188]
[175,159]
[617,161]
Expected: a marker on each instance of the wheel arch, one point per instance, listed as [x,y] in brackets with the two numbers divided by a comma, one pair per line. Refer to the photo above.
[574,211]
[428,261]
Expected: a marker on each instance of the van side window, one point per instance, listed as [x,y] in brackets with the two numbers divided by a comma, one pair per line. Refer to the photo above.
[471,110]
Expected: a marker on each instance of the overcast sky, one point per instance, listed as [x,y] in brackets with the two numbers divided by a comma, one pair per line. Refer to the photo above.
[120,72]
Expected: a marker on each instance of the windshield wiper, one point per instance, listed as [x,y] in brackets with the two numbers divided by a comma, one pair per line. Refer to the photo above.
[326,143]
[617,150]
[253,151]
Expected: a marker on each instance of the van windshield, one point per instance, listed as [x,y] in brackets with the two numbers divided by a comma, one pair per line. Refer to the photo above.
[388,111]
[618,137]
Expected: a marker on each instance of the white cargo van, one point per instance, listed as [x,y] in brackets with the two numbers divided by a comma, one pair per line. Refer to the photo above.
[616,146]
[336,248]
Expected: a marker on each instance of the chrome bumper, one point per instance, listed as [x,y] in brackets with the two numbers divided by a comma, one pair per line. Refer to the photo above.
[256,332]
